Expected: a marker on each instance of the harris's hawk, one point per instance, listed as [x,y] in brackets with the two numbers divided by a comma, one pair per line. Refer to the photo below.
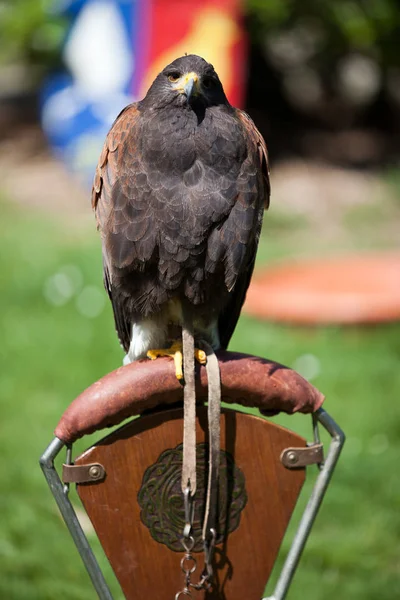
[179,194]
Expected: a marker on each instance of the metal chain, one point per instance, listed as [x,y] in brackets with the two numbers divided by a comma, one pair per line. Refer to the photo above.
[189,562]
[188,566]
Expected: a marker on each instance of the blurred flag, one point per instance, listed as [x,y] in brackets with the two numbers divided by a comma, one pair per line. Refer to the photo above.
[113,51]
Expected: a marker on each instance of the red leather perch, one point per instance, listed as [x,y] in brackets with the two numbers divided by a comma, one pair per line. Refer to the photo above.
[130,390]
[346,290]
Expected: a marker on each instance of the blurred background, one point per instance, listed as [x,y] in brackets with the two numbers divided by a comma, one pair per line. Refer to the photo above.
[321,79]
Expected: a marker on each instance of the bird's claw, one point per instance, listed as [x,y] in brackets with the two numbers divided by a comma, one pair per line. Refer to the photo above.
[175,351]
[200,356]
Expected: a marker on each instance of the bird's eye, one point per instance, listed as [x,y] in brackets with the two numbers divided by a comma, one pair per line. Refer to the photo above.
[173,76]
[208,82]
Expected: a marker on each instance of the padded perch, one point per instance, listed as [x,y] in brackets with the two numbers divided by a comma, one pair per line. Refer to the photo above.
[142,385]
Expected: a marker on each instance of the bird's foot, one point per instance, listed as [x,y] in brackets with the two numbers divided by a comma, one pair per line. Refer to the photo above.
[175,351]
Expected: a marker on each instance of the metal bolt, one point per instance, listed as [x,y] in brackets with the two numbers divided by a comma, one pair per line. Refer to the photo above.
[292,457]
[94,472]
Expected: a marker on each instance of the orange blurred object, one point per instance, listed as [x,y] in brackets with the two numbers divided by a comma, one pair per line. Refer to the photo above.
[212,29]
[349,289]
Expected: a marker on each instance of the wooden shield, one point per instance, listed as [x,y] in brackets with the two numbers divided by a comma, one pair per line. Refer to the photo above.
[137,511]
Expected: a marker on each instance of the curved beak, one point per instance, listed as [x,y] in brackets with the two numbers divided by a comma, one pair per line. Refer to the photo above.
[189,85]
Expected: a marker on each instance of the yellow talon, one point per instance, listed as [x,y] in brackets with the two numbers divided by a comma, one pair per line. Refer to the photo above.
[175,352]
[178,360]
[200,356]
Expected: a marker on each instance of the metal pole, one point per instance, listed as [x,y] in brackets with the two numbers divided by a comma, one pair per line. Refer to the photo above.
[71,520]
[311,511]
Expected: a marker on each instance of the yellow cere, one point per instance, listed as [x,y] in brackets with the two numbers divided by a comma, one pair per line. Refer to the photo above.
[182,81]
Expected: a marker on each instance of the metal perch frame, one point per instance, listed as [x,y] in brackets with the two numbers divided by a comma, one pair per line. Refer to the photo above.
[311,511]
[60,493]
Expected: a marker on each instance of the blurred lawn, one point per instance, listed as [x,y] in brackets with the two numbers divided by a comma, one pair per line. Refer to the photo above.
[58,336]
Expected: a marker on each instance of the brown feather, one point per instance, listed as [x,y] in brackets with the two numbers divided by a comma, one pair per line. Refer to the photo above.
[256,138]
[178,197]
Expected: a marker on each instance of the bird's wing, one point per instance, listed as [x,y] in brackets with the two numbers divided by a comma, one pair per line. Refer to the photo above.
[107,173]
[258,155]
[257,146]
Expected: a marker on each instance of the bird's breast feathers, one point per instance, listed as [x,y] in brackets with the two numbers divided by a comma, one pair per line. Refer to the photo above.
[174,141]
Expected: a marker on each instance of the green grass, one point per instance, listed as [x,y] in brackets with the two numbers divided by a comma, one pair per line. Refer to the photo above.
[50,352]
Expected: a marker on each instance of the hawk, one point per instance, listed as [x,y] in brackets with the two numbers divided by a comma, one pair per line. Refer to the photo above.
[179,194]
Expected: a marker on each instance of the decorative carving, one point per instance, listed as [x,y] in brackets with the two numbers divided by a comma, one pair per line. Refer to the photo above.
[161,500]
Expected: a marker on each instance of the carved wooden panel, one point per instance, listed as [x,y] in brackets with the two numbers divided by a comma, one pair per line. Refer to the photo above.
[259,507]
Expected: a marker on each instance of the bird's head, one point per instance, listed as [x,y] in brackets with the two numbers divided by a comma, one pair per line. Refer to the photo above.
[188,80]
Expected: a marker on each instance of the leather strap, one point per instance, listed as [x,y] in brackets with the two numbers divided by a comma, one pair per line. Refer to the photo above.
[214,431]
[83,473]
[297,458]
[189,408]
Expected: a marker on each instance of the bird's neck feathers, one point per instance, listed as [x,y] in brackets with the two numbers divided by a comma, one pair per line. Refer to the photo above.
[155,100]
[194,113]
